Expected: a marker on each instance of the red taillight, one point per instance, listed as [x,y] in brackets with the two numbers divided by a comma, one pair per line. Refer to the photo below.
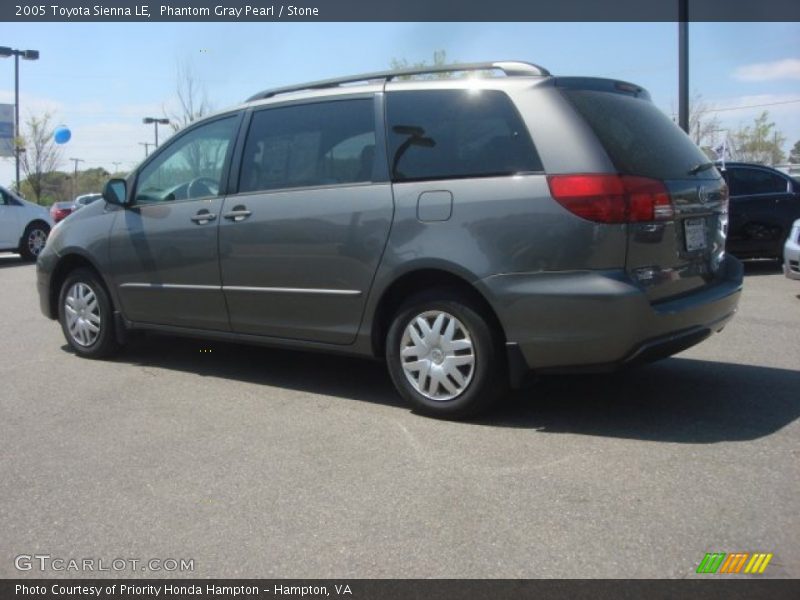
[612,198]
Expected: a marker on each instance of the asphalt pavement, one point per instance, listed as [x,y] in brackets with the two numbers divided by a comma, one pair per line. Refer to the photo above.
[255,462]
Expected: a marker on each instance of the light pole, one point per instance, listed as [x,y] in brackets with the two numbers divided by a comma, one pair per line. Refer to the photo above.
[683,65]
[146,148]
[116,165]
[155,122]
[5,52]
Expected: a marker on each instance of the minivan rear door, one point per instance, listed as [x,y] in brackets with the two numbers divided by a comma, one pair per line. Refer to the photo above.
[682,251]
[301,240]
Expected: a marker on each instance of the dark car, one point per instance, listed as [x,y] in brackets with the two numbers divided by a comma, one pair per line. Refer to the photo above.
[467,231]
[764,202]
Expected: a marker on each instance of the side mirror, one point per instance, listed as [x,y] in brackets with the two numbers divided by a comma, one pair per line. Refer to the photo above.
[116,192]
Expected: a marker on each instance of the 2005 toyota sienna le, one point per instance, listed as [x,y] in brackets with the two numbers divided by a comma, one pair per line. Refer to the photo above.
[469,230]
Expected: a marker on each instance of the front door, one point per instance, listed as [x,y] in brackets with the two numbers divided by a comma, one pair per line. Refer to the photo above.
[163,247]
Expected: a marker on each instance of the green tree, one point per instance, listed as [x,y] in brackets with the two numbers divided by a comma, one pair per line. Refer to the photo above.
[41,153]
[760,142]
[91,181]
[794,154]
[439,60]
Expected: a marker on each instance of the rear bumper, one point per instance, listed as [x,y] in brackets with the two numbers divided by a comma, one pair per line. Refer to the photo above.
[595,321]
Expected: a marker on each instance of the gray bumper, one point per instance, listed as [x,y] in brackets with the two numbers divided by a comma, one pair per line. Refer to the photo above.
[595,320]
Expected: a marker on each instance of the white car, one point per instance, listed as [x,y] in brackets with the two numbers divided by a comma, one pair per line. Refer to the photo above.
[24,226]
[791,252]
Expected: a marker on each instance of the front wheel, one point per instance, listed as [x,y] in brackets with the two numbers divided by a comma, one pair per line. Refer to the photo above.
[33,241]
[86,316]
[444,358]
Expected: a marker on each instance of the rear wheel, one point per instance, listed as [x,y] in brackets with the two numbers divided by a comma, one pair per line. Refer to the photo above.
[444,358]
[33,241]
[86,316]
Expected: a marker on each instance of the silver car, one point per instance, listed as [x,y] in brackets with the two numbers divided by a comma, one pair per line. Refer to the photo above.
[468,231]
[791,252]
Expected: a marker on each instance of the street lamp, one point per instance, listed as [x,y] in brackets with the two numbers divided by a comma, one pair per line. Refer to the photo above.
[5,52]
[155,122]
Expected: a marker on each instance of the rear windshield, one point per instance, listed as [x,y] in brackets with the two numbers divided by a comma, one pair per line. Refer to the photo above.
[638,137]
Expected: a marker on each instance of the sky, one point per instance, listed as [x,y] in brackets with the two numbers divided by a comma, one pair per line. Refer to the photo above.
[101,79]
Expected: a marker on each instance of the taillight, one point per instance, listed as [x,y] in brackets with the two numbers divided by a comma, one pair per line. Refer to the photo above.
[612,198]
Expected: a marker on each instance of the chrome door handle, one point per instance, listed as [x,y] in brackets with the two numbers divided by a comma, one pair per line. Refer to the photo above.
[238,214]
[202,218]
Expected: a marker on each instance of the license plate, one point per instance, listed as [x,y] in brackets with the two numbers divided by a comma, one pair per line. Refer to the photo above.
[695,233]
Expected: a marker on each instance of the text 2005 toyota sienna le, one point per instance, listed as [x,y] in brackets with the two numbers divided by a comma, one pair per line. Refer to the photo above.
[468,230]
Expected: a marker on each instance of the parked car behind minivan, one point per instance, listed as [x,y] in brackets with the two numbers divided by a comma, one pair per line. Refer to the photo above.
[763,205]
[468,231]
[24,226]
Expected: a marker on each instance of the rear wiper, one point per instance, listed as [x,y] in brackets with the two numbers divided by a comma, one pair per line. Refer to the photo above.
[700,167]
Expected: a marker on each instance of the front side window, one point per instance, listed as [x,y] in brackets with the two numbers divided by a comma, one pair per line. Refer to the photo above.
[191,167]
[325,143]
[748,182]
[445,134]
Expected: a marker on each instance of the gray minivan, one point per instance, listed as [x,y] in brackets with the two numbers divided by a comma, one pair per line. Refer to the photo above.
[468,230]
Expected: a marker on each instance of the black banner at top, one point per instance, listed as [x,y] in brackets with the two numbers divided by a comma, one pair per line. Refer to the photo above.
[398,10]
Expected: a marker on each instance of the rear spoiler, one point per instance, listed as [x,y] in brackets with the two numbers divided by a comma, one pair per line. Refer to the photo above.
[602,85]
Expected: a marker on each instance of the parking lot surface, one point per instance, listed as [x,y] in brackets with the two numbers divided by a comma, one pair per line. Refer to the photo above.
[257,462]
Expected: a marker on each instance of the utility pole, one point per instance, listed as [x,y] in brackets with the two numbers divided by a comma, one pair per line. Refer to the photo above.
[75,175]
[146,148]
[683,65]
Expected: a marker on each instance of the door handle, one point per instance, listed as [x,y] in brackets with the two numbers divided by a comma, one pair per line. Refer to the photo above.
[203,217]
[239,213]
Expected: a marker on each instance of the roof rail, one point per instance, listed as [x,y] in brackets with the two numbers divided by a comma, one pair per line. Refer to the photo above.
[510,68]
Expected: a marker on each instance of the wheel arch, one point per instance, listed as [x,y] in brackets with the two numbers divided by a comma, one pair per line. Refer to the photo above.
[66,265]
[36,221]
[415,281]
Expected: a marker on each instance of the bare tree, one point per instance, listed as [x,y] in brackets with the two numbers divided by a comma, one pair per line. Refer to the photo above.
[192,97]
[41,153]
[704,125]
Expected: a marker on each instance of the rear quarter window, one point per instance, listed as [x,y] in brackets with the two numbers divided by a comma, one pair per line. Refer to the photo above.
[447,134]
[638,137]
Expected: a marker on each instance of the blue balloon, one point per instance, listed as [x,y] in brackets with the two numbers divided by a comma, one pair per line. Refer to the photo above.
[62,134]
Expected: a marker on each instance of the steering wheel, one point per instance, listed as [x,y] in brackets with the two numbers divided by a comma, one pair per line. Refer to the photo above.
[202,186]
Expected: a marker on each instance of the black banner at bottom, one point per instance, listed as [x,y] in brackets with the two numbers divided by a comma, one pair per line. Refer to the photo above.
[396,589]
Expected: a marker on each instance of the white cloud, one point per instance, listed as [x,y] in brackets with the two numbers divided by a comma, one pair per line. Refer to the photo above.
[788,68]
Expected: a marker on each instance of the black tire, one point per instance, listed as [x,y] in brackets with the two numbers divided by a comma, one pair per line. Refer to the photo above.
[86,342]
[33,240]
[485,382]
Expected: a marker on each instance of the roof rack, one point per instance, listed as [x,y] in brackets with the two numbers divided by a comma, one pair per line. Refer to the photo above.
[510,68]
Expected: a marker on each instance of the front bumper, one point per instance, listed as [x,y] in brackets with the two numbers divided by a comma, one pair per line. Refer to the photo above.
[791,260]
[600,320]
[44,270]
